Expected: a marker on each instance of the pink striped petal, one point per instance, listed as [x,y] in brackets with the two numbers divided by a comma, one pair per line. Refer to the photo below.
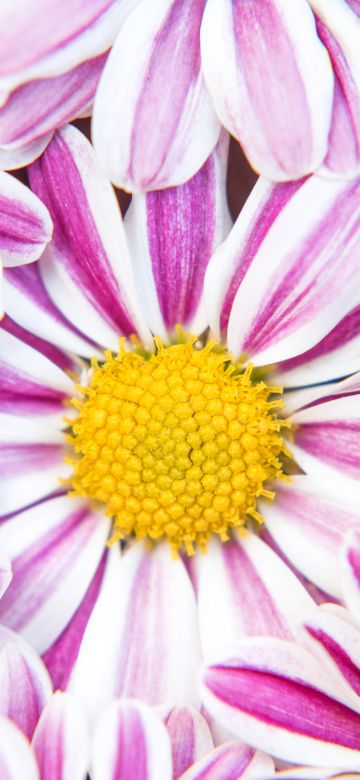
[350,569]
[336,355]
[146,644]
[232,761]
[244,589]
[25,223]
[11,159]
[62,38]
[336,643]
[29,472]
[55,548]
[131,742]
[155,126]
[276,100]
[5,573]
[280,266]
[172,234]
[39,107]
[189,735]
[87,269]
[61,742]
[327,437]
[28,303]
[338,26]
[276,696]
[308,521]
[17,760]
[25,684]
[309,773]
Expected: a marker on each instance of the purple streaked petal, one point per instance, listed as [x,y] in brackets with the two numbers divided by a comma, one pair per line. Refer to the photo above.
[275,695]
[148,647]
[55,548]
[39,107]
[86,269]
[25,223]
[5,573]
[350,570]
[336,643]
[11,159]
[288,296]
[336,355]
[308,521]
[29,472]
[62,39]
[172,234]
[244,589]
[155,126]
[189,735]
[17,759]
[276,100]
[25,683]
[232,760]
[61,742]
[338,28]
[131,742]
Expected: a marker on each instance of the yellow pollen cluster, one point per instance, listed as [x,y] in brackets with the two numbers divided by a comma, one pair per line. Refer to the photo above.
[176,444]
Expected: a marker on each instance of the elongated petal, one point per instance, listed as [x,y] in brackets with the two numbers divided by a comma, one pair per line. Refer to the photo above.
[17,760]
[25,684]
[189,735]
[11,159]
[276,695]
[276,100]
[39,107]
[147,644]
[335,356]
[131,742]
[232,761]
[5,573]
[25,223]
[350,569]
[338,26]
[29,304]
[244,589]
[87,268]
[154,125]
[61,742]
[172,234]
[336,643]
[55,549]
[280,266]
[308,521]
[327,439]
[63,37]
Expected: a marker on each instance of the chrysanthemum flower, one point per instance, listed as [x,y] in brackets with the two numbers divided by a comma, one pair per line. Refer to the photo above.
[52,56]
[282,77]
[173,438]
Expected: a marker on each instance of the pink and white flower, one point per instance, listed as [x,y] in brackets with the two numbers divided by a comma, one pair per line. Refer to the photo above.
[281,288]
[282,77]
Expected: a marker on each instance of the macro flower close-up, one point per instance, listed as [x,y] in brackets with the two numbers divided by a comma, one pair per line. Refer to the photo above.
[180,390]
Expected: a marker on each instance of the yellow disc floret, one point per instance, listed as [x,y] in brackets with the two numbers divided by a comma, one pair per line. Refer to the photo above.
[177,444]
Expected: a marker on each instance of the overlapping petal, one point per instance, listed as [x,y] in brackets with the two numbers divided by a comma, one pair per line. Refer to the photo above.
[25,223]
[61,742]
[276,100]
[233,761]
[17,758]
[189,734]
[154,124]
[172,234]
[350,570]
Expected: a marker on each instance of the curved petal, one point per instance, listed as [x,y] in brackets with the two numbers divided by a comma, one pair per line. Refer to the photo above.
[338,27]
[172,234]
[25,683]
[312,515]
[276,100]
[282,263]
[61,742]
[244,589]
[130,741]
[39,107]
[147,644]
[155,126]
[62,38]
[5,573]
[350,570]
[233,761]
[190,736]
[16,757]
[87,269]
[336,643]
[276,695]
[25,223]
[55,548]
[11,159]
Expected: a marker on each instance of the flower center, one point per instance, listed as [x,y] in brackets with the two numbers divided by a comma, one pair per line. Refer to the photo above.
[176,444]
